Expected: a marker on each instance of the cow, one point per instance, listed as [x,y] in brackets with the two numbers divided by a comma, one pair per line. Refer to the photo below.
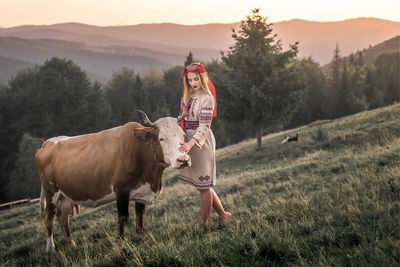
[123,163]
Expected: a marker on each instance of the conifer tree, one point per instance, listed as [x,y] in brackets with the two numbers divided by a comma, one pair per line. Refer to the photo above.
[263,89]
[189,59]
[343,95]
[335,81]
[360,59]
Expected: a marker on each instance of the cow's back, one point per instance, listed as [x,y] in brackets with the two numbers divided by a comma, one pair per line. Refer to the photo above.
[87,166]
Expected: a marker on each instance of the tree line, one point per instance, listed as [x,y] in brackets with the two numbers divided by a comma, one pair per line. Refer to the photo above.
[260,87]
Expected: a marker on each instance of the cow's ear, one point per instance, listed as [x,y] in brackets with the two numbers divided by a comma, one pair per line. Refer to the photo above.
[146,134]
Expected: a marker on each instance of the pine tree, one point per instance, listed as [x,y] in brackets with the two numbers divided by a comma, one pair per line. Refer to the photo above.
[189,59]
[342,101]
[387,71]
[360,60]
[335,81]
[350,97]
[263,89]
[374,97]
[351,59]
[314,97]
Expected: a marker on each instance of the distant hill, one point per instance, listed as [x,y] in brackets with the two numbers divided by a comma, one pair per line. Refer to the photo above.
[370,53]
[148,36]
[9,67]
[317,39]
[102,50]
[100,60]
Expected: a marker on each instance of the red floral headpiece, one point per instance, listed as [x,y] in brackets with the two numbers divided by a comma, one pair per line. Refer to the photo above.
[200,68]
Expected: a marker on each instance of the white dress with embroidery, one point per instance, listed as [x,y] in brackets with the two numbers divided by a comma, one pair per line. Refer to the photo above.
[197,124]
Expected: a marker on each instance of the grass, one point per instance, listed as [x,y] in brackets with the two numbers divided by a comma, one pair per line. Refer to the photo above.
[333,198]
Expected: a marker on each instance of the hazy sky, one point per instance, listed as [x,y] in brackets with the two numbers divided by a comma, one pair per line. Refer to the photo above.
[189,12]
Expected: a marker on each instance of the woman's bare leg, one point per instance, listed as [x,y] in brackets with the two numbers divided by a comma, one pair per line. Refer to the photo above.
[206,202]
[216,203]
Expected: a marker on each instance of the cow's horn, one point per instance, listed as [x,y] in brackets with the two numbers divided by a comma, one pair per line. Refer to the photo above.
[145,119]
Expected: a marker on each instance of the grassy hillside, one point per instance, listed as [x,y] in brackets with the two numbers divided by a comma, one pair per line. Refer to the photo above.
[333,198]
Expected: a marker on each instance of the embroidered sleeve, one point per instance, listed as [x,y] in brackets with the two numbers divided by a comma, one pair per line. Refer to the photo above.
[205,118]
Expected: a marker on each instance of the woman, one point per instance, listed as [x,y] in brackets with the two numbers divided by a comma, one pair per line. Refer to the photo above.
[200,107]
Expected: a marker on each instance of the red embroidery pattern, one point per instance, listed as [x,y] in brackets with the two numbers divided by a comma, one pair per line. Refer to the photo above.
[192,125]
[205,117]
[205,178]
[190,181]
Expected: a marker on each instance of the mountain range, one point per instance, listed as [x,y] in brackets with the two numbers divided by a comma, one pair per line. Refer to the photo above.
[101,50]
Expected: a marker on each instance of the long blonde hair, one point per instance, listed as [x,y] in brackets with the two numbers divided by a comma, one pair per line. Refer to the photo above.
[203,81]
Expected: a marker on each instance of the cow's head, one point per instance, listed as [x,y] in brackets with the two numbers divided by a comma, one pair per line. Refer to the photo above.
[169,136]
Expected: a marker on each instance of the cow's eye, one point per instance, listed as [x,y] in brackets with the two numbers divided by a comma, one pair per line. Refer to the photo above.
[161,139]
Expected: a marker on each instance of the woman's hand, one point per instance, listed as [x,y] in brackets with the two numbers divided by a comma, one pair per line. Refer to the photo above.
[185,147]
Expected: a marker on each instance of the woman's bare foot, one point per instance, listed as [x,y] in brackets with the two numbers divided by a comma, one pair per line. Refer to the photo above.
[226,217]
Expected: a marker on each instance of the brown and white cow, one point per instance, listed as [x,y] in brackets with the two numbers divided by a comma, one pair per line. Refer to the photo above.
[123,163]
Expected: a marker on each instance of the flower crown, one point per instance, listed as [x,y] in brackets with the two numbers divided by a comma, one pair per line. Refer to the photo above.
[200,68]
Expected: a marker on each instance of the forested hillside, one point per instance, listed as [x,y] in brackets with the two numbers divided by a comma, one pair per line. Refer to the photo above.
[367,55]
[370,53]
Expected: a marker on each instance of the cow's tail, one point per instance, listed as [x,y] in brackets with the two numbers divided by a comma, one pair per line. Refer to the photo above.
[42,203]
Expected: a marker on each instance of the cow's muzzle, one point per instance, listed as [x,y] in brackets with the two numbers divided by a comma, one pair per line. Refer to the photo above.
[184,162]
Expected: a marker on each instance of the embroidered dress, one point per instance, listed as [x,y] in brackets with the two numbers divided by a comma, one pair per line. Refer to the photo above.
[197,123]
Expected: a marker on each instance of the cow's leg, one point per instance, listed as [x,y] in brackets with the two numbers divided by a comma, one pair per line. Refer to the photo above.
[123,213]
[64,208]
[49,221]
[140,209]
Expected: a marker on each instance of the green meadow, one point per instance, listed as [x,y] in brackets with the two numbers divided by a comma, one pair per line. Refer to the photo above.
[333,198]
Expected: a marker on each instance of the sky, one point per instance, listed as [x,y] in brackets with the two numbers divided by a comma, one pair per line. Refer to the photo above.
[188,12]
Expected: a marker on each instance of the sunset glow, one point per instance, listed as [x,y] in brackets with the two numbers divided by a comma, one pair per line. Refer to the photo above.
[131,12]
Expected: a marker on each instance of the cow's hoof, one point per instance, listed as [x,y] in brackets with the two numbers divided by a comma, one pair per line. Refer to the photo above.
[71,242]
[50,249]
[140,231]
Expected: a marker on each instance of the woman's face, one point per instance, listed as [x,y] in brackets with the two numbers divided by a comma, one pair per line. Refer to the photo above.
[194,81]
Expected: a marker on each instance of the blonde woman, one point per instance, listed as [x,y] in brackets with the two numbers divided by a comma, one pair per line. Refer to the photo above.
[199,108]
